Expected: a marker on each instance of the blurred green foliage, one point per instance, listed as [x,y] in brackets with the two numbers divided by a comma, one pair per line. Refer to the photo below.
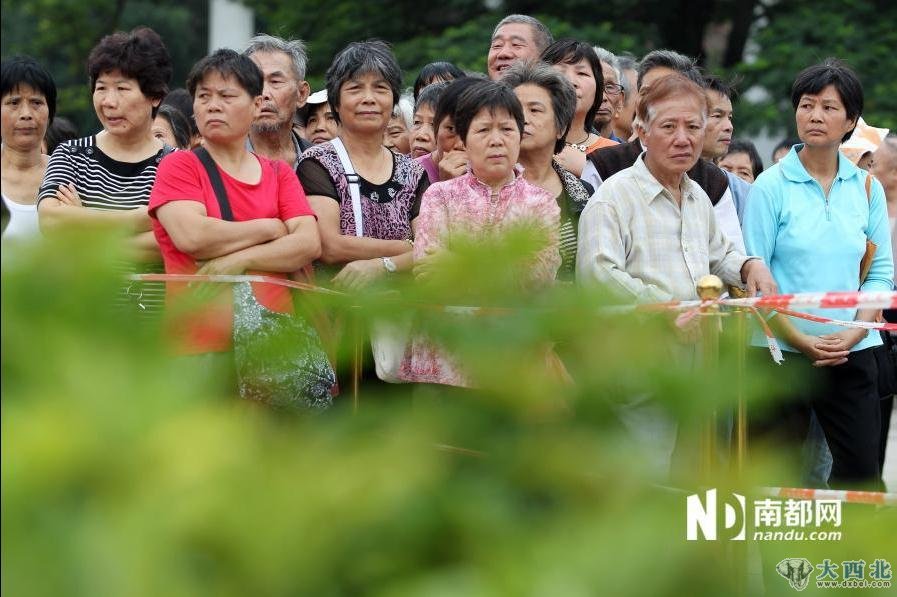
[766,42]
[128,473]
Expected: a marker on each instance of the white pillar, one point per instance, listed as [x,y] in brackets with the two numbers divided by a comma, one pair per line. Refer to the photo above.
[230,24]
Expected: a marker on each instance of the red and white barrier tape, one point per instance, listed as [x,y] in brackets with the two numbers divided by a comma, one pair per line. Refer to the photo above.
[850,497]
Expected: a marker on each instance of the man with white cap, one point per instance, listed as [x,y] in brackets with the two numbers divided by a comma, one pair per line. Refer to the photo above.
[320,124]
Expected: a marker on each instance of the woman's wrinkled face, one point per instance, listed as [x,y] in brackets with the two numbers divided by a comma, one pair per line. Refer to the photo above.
[366,103]
[396,137]
[540,130]
[493,145]
[822,118]
[224,110]
[739,164]
[423,139]
[321,125]
[120,105]
[25,117]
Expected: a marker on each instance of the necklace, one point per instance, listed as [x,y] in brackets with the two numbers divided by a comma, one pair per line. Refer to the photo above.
[581,146]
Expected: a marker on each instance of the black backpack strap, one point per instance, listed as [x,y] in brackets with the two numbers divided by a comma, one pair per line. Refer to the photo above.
[215,178]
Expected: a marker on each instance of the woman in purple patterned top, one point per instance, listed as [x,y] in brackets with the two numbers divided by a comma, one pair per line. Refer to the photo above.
[372,236]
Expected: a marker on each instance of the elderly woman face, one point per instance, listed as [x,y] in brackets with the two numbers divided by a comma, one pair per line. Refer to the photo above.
[25,117]
[397,138]
[120,105]
[540,129]
[223,109]
[493,145]
[365,103]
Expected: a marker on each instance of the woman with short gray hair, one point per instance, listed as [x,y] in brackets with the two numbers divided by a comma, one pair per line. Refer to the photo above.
[549,103]
[365,196]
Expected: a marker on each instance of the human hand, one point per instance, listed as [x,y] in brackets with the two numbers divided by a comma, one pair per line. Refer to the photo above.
[758,278]
[276,227]
[356,275]
[68,195]
[452,164]
[226,265]
[424,267]
[824,351]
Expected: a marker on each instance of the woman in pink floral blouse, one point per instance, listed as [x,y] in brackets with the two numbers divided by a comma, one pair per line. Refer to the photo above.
[492,198]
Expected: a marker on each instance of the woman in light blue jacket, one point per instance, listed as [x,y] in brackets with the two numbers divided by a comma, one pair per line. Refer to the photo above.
[809,217]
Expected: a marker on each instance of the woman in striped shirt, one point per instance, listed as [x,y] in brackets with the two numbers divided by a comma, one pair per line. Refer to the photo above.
[105,179]
[549,102]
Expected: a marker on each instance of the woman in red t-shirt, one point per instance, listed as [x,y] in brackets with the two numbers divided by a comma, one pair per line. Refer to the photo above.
[273,229]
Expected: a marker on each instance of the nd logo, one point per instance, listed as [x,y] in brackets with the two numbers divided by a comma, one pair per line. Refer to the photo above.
[706,516]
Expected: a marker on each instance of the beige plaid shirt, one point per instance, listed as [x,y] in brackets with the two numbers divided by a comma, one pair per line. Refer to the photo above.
[635,239]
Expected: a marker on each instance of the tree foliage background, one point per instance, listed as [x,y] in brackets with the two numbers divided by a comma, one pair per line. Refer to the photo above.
[765,42]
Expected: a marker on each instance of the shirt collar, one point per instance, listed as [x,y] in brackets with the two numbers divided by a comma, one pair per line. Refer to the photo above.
[794,170]
[651,188]
[475,182]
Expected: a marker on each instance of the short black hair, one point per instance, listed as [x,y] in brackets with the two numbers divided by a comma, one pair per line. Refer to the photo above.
[361,58]
[571,51]
[721,86]
[672,60]
[181,100]
[25,70]
[180,128]
[831,71]
[445,71]
[485,95]
[429,95]
[448,99]
[745,146]
[229,64]
[60,130]
[138,55]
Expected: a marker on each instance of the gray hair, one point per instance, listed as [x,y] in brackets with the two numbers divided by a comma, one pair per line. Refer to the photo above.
[404,109]
[673,61]
[294,48]
[626,62]
[361,58]
[541,34]
[560,90]
[610,59]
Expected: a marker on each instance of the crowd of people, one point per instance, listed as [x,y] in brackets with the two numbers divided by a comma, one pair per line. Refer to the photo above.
[628,170]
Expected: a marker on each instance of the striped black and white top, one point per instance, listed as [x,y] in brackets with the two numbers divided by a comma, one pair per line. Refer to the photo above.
[105,183]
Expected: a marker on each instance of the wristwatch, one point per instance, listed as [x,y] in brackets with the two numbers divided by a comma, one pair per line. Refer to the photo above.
[389,265]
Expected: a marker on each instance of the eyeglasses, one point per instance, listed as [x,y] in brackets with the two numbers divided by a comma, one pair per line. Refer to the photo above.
[613,89]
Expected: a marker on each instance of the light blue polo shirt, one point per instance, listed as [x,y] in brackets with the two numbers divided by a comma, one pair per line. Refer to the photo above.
[813,243]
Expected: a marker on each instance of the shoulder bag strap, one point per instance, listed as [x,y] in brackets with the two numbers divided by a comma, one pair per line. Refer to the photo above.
[354,183]
[215,178]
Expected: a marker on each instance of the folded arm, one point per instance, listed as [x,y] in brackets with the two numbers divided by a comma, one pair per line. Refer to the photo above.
[204,237]
[288,253]
[342,248]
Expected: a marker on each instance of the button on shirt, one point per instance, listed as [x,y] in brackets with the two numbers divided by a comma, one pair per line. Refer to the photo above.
[637,240]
